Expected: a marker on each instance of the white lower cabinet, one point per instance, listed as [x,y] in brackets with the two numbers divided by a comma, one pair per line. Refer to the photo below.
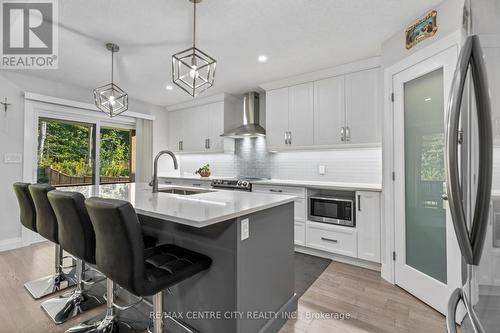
[300,233]
[332,238]
[368,225]
[300,207]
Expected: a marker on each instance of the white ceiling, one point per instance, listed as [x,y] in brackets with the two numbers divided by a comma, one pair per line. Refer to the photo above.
[297,35]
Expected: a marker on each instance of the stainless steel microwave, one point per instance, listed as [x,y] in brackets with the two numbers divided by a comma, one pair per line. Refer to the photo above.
[332,210]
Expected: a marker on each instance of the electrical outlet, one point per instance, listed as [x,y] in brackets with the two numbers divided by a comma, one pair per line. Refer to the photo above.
[13,158]
[322,169]
[245,229]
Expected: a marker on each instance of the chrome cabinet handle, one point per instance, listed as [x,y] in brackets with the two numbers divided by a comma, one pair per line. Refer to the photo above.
[342,134]
[347,133]
[180,145]
[195,184]
[286,138]
[471,248]
[329,240]
[359,202]
[277,191]
[207,143]
[289,138]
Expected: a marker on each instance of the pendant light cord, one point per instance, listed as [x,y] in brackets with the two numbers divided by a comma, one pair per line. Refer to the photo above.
[194,23]
[112,64]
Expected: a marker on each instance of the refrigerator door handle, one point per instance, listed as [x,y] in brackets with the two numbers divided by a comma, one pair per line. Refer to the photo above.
[471,247]
[455,298]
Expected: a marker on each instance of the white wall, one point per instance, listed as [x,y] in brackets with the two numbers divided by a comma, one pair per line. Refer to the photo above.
[449,20]
[12,86]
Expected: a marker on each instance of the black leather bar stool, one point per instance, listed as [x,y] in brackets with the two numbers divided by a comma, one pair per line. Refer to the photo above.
[46,285]
[122,257]
[76,236]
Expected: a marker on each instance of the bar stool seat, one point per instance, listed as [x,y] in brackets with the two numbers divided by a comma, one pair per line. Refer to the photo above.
[121,256]
[167,265]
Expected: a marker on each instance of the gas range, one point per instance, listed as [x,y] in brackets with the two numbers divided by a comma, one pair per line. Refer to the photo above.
[239,184]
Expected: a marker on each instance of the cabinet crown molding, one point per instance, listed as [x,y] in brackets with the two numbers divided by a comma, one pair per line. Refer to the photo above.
[324,73]
[202,101]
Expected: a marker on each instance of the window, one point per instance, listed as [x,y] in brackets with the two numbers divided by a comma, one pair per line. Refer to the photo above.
[117,149]
[67,153]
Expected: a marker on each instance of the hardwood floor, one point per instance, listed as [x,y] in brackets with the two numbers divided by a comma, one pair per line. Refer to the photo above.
[373,304]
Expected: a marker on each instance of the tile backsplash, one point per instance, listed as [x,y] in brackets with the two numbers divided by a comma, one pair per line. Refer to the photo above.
[251,159]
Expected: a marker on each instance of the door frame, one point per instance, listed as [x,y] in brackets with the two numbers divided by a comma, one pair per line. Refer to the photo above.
[411,279]
[36,107]
[453,42]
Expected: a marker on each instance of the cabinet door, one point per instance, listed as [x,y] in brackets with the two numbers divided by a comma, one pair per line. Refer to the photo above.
[368,225]
[363,106]
[276,117]
[329,111]
[175,123]
[216,128]
[195,129]
[300,117]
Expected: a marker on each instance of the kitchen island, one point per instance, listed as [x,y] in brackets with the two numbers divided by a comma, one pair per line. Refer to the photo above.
[250,285]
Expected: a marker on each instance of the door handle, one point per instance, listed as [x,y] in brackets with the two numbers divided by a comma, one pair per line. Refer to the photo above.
[207,143]
[347,134]
[471,248]
[289,137]
[456,296]
[286,138]
[359,202]
[342,134]
[277,191]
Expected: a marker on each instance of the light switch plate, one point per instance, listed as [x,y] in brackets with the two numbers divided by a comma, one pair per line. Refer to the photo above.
[13,158]
[322,169]
[245,229]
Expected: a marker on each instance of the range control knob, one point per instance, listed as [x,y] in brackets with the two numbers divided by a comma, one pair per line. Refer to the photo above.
[245,184]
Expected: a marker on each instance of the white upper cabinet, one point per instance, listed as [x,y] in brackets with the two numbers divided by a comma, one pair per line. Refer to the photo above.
[363,104]
[300,116]
[198,128]
[329,111]
[277,118]
[175,131]
[340,110]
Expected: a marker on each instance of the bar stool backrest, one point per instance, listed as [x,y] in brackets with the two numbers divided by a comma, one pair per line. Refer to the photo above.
[26,205]
[46,222]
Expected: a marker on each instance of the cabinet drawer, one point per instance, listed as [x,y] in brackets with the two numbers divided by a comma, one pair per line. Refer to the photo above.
[300,233]
[287,190]
[341,240]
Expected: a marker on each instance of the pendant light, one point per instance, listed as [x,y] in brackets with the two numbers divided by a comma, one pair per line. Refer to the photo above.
[192,69]
[110,98]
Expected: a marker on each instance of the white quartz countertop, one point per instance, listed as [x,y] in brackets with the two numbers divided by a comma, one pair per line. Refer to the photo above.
[321,184]
[197,210]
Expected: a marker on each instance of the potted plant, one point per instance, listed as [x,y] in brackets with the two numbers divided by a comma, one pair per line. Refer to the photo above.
[204,171]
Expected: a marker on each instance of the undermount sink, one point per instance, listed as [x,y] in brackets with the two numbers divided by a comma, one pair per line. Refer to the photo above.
[183,190]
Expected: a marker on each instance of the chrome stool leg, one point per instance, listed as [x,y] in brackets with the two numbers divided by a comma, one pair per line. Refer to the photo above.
[80,300]
[110,323]
[51,284]
[157,324]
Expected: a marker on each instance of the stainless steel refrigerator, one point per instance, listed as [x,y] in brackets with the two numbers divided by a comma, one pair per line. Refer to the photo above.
[473,184]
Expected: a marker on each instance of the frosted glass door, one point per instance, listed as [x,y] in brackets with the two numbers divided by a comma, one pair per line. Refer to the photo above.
[425,213]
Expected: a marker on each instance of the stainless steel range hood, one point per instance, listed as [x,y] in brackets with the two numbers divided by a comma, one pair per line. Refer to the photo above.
[250,127]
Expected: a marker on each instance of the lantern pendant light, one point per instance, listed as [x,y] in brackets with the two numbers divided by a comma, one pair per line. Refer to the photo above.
[192,69]
[110,98]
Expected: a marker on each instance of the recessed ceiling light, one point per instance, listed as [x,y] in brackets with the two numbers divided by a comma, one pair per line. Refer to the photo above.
[262,58]
[428,99]
[169,87]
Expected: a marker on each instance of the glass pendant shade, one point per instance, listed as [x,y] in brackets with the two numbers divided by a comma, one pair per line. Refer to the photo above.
[193,70]
[110,98]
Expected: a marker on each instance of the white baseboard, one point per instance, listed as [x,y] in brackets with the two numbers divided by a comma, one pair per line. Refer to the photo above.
[340,258]
[11,243]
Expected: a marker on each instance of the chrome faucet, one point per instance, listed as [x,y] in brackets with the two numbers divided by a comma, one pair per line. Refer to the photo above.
[154,182]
